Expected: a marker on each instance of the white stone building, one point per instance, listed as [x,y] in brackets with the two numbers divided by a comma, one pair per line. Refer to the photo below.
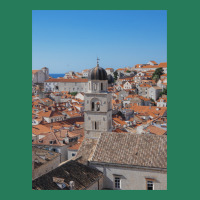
[85,73]
[70,85]
[154,92]
[40,76]
[109,71]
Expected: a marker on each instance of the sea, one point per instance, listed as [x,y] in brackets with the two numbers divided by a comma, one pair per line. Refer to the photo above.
[56,75]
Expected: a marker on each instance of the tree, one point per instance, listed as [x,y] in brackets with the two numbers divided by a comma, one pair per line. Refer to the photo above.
[115,75]
[152,102]
[156,77]
[158,72]
[128,71]
[163,92]
[73,93]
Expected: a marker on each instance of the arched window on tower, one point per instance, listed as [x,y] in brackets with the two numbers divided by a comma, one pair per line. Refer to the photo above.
[92,106]
[95,104]
[101,86]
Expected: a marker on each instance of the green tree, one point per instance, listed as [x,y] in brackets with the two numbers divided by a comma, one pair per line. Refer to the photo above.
[152,102]
[115,75]
[128,71]
[163,92]
[73,93]
[158,72]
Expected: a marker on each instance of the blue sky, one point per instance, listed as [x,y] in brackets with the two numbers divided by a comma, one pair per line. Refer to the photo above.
[71,40]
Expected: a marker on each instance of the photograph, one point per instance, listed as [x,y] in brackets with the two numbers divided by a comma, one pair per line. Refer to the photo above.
[99,100]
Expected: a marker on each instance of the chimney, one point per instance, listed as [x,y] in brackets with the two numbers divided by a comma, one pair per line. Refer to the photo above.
[71,185]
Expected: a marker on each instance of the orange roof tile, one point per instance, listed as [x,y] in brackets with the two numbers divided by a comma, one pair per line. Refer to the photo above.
[35,71]
[155,130]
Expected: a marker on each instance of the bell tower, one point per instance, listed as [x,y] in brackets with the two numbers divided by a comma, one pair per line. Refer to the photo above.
[98,104]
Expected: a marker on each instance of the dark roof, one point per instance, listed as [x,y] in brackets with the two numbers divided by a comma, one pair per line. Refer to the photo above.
[82,175]
[97,73]
[132,149]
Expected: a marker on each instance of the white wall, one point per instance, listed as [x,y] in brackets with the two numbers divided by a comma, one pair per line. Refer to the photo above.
[132,178]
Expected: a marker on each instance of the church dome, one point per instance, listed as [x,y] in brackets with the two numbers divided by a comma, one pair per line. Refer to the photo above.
[110,79]
[97,73]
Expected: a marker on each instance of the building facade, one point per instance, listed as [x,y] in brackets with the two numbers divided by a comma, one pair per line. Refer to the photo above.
[40,76]
[70,85]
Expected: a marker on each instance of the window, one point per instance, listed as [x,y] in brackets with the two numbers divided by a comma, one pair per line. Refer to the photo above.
[149,185]
[117,183]
[92,106]
[73,154]
[95,125]
[101,86]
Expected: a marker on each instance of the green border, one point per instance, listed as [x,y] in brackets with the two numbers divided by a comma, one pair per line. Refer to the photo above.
[16,41]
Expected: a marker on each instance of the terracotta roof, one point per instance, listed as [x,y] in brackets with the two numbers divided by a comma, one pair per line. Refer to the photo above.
[154,62]
[131,149]
[77,145]
[155,130]
[78,80]
[145,66]
[137,96]
[46,140]
[145,85]
[86,149]
[119,121]
[164,99]
[163,65]
[151,110]
[40,129]
[35,71]
[108,68]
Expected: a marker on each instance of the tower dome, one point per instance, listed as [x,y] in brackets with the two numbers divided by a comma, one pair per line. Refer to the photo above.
[97,73]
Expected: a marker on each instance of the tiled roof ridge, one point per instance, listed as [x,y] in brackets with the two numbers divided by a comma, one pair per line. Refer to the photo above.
[91,157]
